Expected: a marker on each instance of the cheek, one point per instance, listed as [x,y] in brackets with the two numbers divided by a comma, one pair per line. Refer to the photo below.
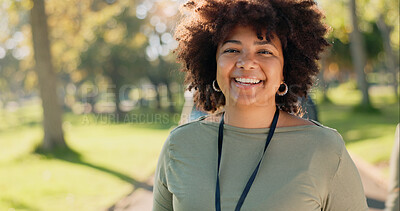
[223,67]
[274,75]
[274,69]
[278,75]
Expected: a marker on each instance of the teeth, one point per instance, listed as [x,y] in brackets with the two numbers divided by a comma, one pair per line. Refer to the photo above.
[247,80]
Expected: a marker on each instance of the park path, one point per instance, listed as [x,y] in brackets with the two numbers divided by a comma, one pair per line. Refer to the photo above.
[373,182]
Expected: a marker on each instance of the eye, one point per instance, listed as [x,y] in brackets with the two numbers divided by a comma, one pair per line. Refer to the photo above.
[229,50]
[265,52]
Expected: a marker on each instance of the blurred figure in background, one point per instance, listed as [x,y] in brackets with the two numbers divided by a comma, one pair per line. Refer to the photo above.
[189,110]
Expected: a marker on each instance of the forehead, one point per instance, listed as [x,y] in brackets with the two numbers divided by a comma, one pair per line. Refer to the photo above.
[249,33]
[239,31]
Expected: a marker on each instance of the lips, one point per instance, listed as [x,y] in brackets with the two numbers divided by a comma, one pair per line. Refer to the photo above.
[247,81]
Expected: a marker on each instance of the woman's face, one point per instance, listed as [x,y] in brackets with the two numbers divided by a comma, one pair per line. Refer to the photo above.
[249,70]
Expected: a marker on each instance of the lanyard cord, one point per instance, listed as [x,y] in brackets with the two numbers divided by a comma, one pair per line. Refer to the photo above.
[253,175]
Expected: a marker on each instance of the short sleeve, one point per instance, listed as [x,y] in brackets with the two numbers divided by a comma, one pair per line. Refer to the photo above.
[346,191]
[162,197]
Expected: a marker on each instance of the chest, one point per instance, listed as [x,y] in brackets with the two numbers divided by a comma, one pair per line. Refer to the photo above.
[286,180]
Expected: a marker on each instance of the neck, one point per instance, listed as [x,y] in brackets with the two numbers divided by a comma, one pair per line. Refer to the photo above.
[245,117]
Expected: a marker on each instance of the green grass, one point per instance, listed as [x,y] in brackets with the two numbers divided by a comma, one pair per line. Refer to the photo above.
[106,162]
[109,159]
[370,135]
[26,115]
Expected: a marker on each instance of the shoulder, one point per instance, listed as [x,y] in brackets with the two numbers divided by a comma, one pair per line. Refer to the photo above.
[327,148]
[187,128]
[193,131]
[290,120]
[195,125]
[324,137]
[328,141]
[183,131]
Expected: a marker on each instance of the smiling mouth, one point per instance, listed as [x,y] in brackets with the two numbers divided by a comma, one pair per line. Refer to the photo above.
[247,81]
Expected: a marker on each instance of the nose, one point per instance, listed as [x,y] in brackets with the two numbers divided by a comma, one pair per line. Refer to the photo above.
[246,62]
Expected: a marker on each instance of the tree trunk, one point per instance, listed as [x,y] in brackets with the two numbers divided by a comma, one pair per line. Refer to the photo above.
[358,55]
[116,81]
[52,113]
[155,81]
[171,103]
[158,96]
[390,58]
[322,83]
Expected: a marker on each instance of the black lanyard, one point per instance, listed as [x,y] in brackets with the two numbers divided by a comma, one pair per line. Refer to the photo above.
[253,176]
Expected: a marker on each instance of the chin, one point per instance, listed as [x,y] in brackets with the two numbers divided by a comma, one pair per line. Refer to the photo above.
[249,102]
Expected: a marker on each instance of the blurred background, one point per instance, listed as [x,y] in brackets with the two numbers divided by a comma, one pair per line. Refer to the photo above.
[87,100]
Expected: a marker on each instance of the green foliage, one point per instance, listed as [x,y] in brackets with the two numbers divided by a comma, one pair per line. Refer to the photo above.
[113,52]
[368,13]
[340,52]
[373,42]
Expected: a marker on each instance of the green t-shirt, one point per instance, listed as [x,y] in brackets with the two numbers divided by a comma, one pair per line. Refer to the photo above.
[304,168]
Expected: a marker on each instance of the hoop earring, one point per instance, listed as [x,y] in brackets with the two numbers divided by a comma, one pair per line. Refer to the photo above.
[215,86]
[281,93]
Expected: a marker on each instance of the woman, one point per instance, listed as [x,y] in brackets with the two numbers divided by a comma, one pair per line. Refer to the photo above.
[248,62]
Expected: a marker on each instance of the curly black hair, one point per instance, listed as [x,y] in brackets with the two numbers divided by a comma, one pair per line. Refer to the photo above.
[206,23]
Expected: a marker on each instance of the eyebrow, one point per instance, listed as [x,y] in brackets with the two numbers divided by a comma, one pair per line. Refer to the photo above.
[232,41]
[263,42]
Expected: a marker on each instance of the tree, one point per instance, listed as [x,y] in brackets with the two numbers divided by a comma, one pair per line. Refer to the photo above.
[390,57]
[161,19]
[117,52]
[128,48]
[52,120]
[16,72]
[358,55]
[365,46]
[161,74]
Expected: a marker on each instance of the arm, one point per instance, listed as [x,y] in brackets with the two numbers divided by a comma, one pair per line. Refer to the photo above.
[162,197]
[346,190]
